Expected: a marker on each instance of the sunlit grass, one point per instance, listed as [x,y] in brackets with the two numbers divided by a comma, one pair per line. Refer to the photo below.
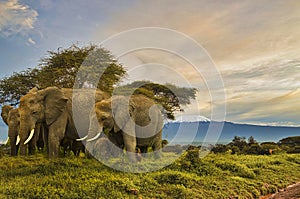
[214,176]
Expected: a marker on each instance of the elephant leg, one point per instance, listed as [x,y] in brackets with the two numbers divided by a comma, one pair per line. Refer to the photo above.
[53,146]
[130,144]
[23,149]
[144,150]
[13,147]
[157,149]
[38,136]
[56,134]
[31,147]
[65,143]
[46,138]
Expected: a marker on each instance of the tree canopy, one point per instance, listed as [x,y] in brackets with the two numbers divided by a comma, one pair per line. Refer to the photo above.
[169,96]
[18,84]
[61,68]
[95,67]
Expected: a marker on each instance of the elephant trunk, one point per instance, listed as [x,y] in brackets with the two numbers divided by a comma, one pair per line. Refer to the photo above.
[25,137]
[94,131]
[93,134]
[13,146]
[12,134]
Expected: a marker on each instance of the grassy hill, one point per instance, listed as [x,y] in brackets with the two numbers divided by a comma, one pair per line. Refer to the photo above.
[214,176]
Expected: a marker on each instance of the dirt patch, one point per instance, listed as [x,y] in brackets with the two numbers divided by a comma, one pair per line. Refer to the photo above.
[291,192]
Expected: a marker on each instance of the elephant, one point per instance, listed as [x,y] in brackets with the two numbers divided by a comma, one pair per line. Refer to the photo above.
[77,147]
[72,145]
[104,148]
[131,122]
[66,143]
[53,107]
[11,117]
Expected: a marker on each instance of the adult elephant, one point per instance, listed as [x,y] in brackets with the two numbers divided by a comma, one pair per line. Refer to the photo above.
[136,121]
[11,117]
[53,107]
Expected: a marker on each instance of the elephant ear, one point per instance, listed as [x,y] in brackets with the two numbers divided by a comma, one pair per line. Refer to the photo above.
[122,109]
[54,102]
[5,111]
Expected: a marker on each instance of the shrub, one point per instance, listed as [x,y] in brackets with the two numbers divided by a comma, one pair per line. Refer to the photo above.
[236,169]
[176,177]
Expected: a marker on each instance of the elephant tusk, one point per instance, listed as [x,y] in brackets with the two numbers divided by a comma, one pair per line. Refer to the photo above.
[6,141]
[18,140]
[30,136]
[94,138]
[81,139]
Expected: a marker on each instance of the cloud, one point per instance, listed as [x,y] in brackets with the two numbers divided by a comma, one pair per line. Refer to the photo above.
[264,108]
[16,18]
[231,31]
[30,41]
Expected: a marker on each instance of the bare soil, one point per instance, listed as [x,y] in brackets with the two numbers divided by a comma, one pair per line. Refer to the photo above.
[291,192]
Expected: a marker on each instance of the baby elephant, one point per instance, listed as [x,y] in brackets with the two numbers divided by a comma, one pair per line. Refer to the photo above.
[136,121]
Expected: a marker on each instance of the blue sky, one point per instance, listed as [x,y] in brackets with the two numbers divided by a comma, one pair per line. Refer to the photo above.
[254,44]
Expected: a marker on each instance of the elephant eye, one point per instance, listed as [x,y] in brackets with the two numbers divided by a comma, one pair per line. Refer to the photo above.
[34,112]
[103,118]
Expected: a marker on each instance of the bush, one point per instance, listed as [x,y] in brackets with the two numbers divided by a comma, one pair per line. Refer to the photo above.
[176,177]
[219,148]
[236,169]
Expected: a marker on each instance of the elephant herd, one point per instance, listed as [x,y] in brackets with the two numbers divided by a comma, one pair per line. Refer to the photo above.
[80,119]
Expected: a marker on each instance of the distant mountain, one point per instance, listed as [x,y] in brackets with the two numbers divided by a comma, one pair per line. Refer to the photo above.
[189,118]
[185,132]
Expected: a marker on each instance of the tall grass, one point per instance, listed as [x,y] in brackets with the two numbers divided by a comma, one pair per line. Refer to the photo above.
[214,176]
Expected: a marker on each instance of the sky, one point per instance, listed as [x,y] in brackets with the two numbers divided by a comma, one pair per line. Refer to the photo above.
[253,45]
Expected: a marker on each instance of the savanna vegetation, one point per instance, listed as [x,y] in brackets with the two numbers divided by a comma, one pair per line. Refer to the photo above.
[214,176]
[222,174]
[239,145]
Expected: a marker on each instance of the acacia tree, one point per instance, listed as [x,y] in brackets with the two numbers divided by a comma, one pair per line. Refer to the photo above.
[169,96]
[17,85]
[60,68]
[100,69]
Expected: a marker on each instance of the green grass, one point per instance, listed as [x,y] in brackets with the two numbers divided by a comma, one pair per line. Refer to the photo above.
[214,176]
